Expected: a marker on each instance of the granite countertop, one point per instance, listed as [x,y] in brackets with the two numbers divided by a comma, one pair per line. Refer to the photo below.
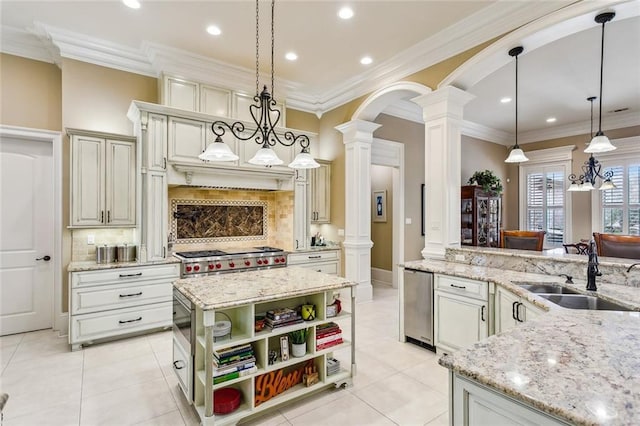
[93,266]
[578,365]
[241,288]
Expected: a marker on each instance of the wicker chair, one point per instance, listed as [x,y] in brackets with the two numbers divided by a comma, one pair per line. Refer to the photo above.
[522,240]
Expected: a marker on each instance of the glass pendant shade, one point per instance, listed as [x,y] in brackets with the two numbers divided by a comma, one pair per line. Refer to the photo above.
[587,186]
[516,156]
[574,187]
[218,151]
[607,184]
[304,160]
[266,157]
[599,143]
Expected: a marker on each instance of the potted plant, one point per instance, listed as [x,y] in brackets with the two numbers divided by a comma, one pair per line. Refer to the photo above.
[487,180]
[298,342]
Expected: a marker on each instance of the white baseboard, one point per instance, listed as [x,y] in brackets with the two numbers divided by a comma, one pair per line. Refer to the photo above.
[62,324]
[381,277]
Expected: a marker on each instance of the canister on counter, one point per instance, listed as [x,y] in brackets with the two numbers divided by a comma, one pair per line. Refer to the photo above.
[105,254]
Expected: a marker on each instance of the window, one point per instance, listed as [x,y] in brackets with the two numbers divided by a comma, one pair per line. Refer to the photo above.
[543,203]
[617,211]
[621,206]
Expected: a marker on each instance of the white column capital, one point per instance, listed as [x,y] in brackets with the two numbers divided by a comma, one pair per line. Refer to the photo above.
[447,101]
[358,131]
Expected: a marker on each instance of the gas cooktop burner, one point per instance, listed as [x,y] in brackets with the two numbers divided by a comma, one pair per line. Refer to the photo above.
[267,249]
[203,253]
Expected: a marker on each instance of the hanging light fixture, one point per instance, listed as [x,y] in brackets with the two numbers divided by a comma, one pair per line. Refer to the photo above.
[516,155]
[266,117]
[591,169]
[601,143]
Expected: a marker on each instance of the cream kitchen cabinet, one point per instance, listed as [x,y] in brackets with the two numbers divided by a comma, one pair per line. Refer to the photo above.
[511,310]
[186,139]
[194,96]
[461,312]
[321,192]
[103,179]
[320,260]
[300,210]
[115,302]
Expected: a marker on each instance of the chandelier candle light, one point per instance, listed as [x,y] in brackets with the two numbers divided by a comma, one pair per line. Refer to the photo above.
[266,117]
[516,155]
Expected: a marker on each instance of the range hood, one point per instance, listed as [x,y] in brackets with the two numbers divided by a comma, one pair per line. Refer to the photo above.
[230,177]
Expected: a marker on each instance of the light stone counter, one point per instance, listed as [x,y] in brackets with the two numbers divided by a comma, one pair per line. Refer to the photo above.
[93,266]
[241,288]
[318,248]
[578,365]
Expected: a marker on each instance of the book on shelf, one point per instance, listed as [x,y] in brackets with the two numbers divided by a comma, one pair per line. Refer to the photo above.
[329,344]
[232,350]
[234,364]
[239,367]
[328,333]
[234,375]
[281,314]
[329,339]
[284,323]
[327,327]
[233,358]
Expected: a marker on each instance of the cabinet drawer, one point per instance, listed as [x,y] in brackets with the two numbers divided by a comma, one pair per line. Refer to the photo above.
[462,286]
[314,256]
[88,327]
[125,275]
[327,268]
[182,365]
[102,298]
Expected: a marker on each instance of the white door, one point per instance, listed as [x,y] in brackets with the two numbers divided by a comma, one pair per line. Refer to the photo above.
[26,235]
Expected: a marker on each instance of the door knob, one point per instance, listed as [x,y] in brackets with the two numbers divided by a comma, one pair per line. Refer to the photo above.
[45,258]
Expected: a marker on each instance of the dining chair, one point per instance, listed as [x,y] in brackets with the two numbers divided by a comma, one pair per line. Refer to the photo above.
[576,248]
[522,240]
[616,245]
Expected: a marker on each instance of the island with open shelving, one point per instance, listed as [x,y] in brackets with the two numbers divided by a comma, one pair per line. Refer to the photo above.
[240,297]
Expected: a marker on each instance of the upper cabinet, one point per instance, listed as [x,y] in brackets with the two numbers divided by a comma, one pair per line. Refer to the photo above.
[321,192]
[103,179]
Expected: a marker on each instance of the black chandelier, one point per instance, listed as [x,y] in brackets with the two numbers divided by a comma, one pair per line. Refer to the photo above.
[591,169]
[266,117]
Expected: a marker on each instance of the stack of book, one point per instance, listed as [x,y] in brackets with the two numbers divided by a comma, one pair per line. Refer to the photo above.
[282,317]
[328,335]
[231,363]
[333,366]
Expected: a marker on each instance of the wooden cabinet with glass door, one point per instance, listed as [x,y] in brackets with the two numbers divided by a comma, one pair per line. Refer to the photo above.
[481,217]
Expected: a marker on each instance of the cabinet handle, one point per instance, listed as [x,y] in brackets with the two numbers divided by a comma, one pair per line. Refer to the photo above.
[458,286]
[164,252]
[133,320]
[139,274]
[482,313]
[108,216]
[175,364]
[518,312]
[102,216]
[513,310]
[315,257]
[296,243]
[164,163]
[131,295]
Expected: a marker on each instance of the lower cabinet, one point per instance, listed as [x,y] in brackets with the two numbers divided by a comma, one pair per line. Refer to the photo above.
[119,301]
[278,374]
[510,310]
[461,312]
[327,261]
[474,404]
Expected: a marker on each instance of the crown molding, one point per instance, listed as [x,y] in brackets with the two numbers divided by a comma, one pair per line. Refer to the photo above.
[19,42]
[485,133]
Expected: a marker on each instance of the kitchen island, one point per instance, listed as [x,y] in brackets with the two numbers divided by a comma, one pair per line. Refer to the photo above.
[566,366]
[239,298]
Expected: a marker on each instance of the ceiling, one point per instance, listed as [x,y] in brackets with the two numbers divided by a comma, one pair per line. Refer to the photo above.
[402,37]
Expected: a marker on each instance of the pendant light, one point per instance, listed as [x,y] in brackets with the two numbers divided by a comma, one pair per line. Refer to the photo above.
[601,143]
[591,170]
[266,118]
[516,155]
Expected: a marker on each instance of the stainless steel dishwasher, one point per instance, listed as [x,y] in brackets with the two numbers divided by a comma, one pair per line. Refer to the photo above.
[418,306]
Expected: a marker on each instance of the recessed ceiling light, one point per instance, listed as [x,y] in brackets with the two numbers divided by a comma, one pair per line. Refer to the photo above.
[133,4]
[213,30]
[366,60]
[551,120]
[291,56]
[505,100]
[346,13]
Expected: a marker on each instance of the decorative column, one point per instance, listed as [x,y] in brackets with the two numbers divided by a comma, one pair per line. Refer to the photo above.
[442,112]
[358,138]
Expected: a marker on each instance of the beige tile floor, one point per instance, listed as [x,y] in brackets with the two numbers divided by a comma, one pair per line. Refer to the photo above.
[131,382]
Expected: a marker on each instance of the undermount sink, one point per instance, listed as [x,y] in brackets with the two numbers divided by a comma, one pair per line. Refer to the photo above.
[548,289]
[583,301]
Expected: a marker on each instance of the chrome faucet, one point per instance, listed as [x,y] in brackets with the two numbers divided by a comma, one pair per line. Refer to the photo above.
[592,267]
[630,267]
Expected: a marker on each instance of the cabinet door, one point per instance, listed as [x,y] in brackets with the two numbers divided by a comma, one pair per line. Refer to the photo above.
[120,183]
[87,181]
[181,94]
[321,193]
[155,143]
[529,311]
[504,310]
[186,140]
[300,215]
[155,216]
[215,101]
[459,321]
